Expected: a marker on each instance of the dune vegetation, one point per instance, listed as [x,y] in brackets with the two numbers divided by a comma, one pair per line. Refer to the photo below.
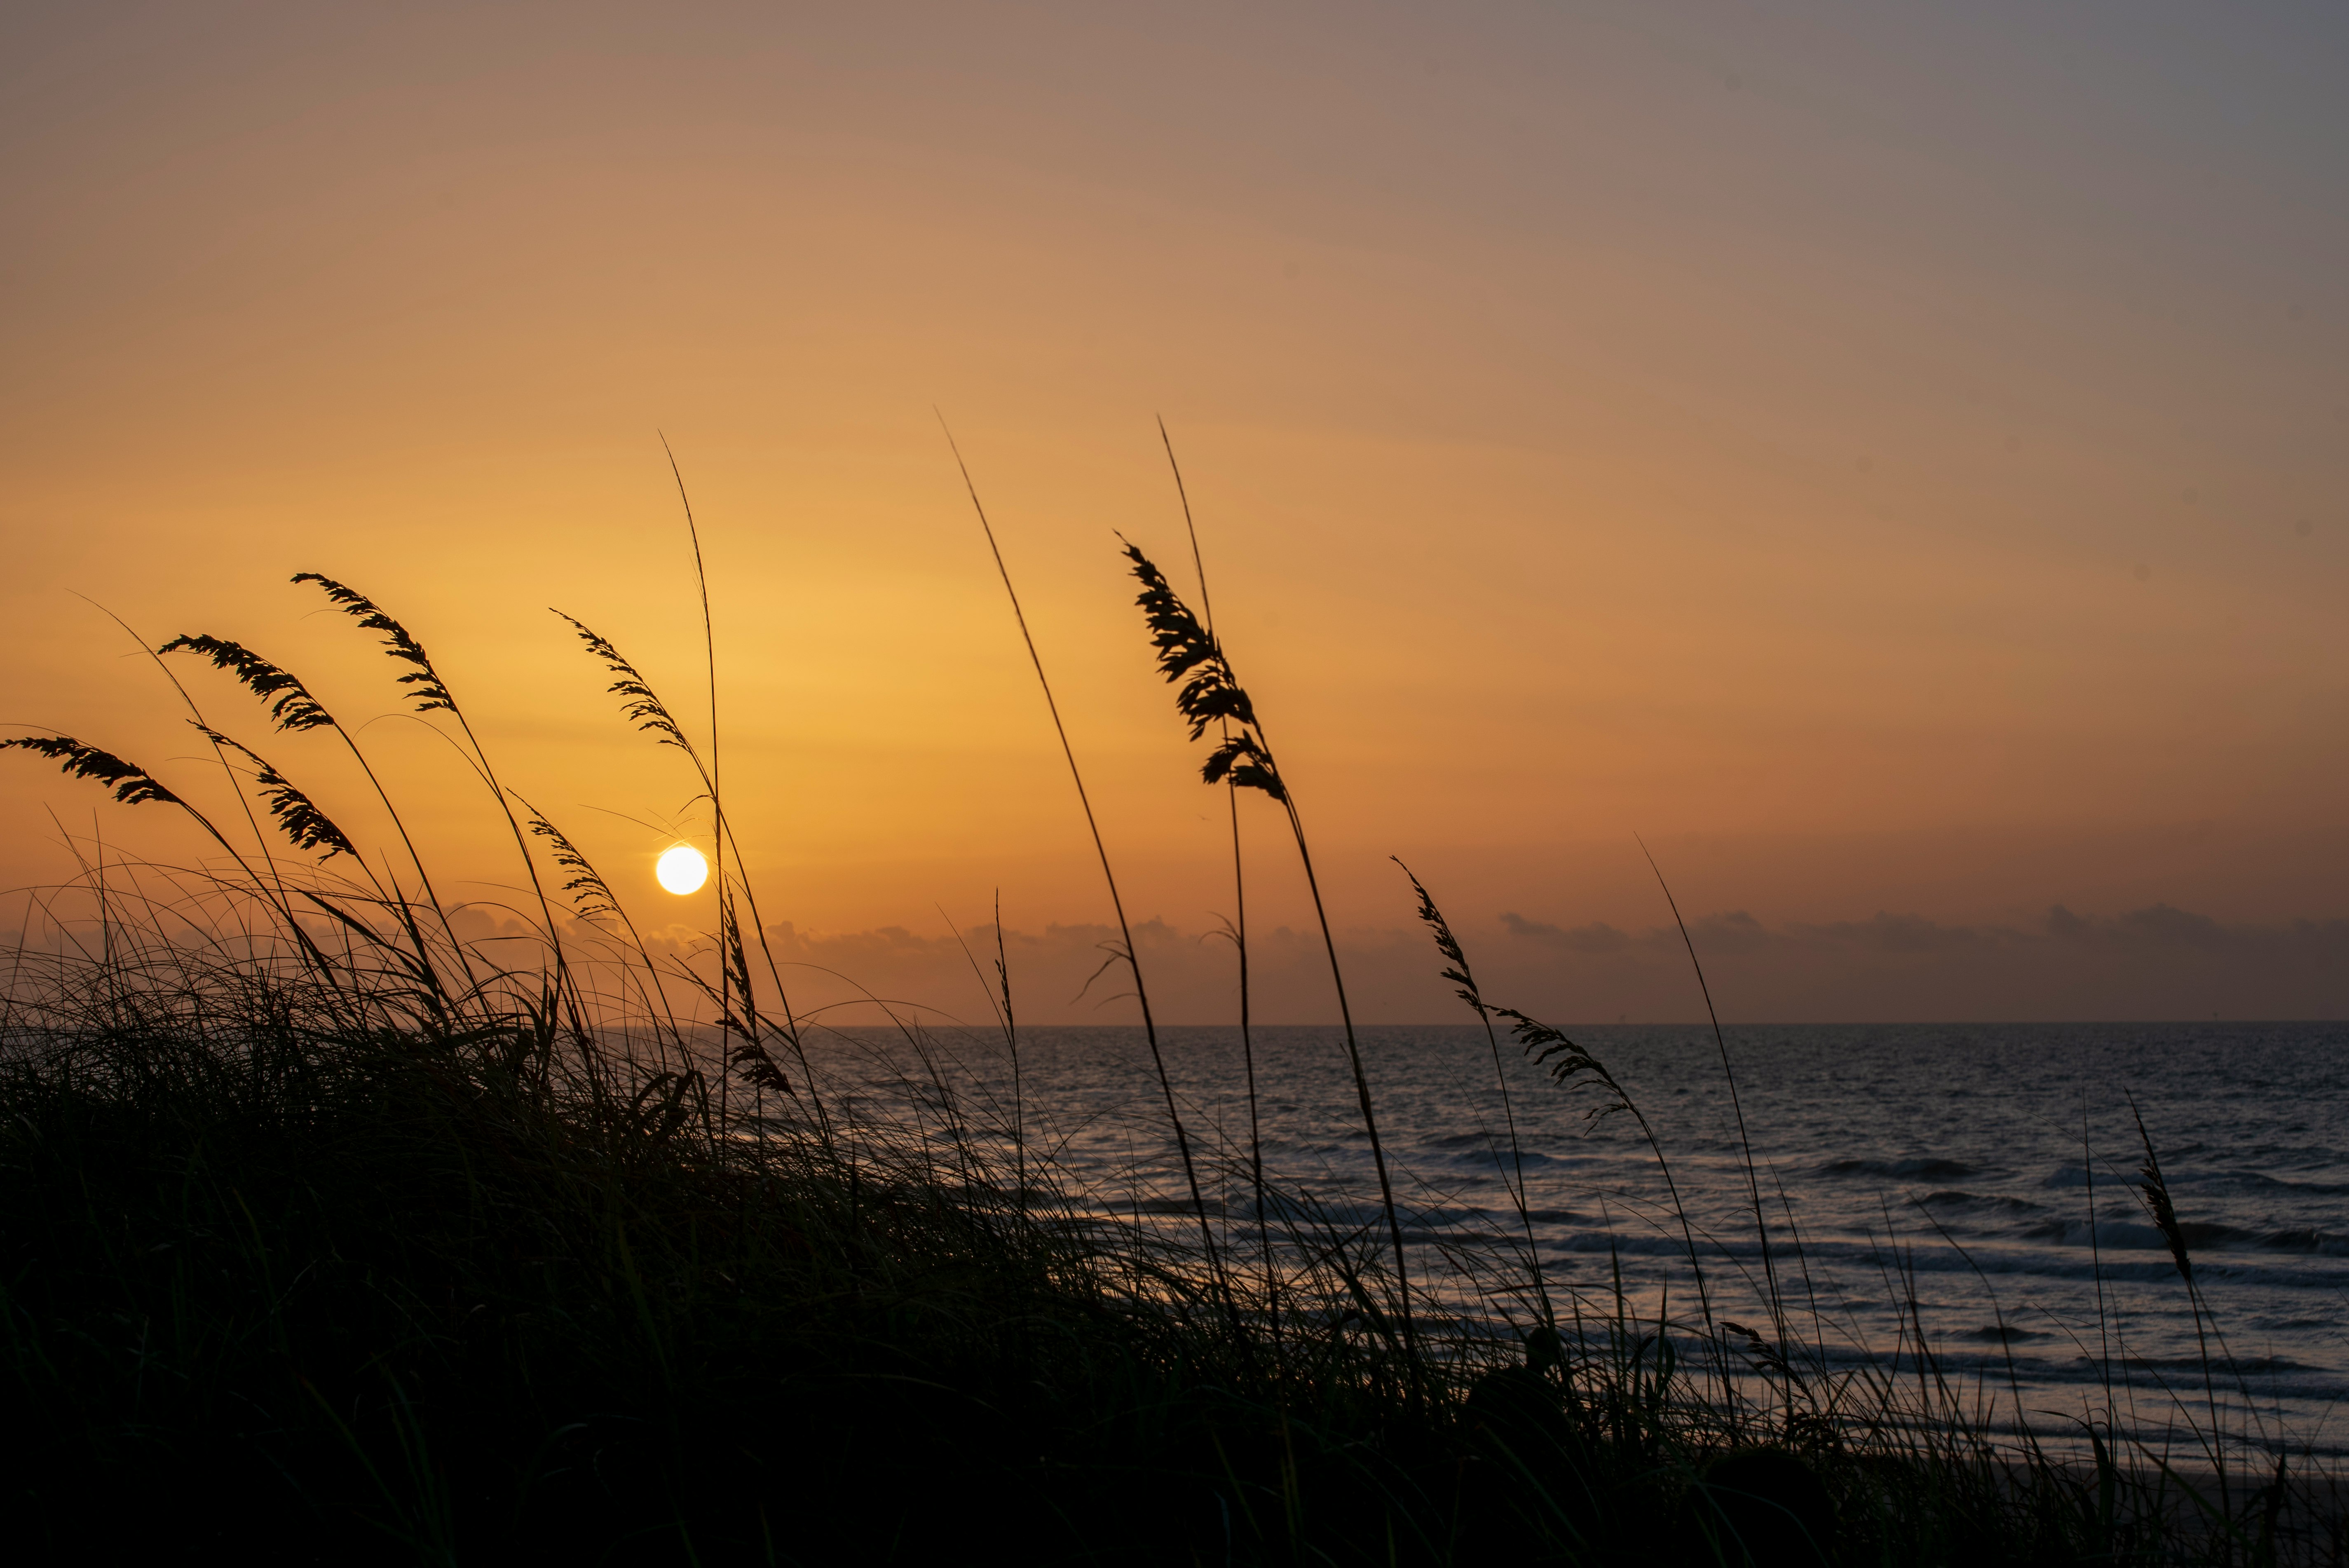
[329,1234]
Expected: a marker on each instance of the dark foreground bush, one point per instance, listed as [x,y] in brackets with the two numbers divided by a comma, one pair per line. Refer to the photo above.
[414,1298]
[404,1297]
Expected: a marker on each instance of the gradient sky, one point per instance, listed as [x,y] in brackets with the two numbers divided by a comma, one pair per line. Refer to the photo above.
[1893,458]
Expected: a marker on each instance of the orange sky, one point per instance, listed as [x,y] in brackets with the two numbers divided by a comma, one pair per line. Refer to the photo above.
[1893,463]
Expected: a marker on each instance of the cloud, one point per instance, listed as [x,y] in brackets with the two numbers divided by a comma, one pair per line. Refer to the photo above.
[2154,962]
[1598,938]
[2164,925]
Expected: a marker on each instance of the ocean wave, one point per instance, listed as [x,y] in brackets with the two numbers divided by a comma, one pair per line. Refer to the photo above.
[2256,1180]
[2131,1234]
[2246,1365]
[2305,1239]
[1914,1169]
[2002,1333]
[1485,1156]
[1630,1243]
[2200,1236]
[1957,1198]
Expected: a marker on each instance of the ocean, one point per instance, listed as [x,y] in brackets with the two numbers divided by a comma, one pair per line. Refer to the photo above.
[1976,1184]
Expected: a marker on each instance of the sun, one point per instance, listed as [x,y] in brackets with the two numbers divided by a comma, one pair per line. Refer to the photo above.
[681,869]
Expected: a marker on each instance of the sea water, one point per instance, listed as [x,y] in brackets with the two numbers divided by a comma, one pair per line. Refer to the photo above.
[1978,1184]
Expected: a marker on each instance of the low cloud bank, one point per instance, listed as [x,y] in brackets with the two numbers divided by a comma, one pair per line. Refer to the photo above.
[2154,963]
[2157,962]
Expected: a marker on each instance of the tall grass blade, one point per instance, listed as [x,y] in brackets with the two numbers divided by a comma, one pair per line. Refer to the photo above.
[1191,657]
[431,695]
[1236,929]
[303,825]
[1737,1104]
[1572,1066]
[2153,1190]
[643,707]
[1117,903]
[1464,979]
[292,709]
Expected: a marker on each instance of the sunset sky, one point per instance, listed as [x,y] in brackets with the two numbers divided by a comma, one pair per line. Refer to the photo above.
[1894,460]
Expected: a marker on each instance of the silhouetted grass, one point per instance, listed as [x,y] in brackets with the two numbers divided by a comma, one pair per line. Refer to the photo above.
[1234,929]
[1208,691]
[327,1236]
[1125,949]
